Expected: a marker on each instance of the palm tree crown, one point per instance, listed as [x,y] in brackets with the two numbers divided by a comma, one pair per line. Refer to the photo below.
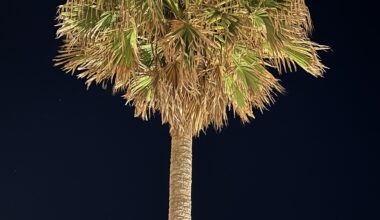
[190,60]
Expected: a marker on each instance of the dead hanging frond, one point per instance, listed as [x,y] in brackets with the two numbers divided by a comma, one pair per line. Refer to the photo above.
[192,60]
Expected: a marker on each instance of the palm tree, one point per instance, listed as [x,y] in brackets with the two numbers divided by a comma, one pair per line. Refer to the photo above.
[190,60]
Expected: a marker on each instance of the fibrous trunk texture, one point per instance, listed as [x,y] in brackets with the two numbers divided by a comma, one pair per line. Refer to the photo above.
[180,177]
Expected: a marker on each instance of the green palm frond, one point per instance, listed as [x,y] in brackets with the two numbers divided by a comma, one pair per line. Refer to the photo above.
[237,95]
[304,55]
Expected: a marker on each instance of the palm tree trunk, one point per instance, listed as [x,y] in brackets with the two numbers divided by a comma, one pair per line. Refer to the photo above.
[180,177]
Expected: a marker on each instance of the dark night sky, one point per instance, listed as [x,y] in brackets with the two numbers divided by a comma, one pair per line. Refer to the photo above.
[67,153]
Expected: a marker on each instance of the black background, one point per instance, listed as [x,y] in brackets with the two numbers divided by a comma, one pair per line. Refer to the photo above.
[67,153]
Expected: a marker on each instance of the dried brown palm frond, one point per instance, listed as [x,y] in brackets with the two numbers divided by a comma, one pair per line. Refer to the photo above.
[189,60]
